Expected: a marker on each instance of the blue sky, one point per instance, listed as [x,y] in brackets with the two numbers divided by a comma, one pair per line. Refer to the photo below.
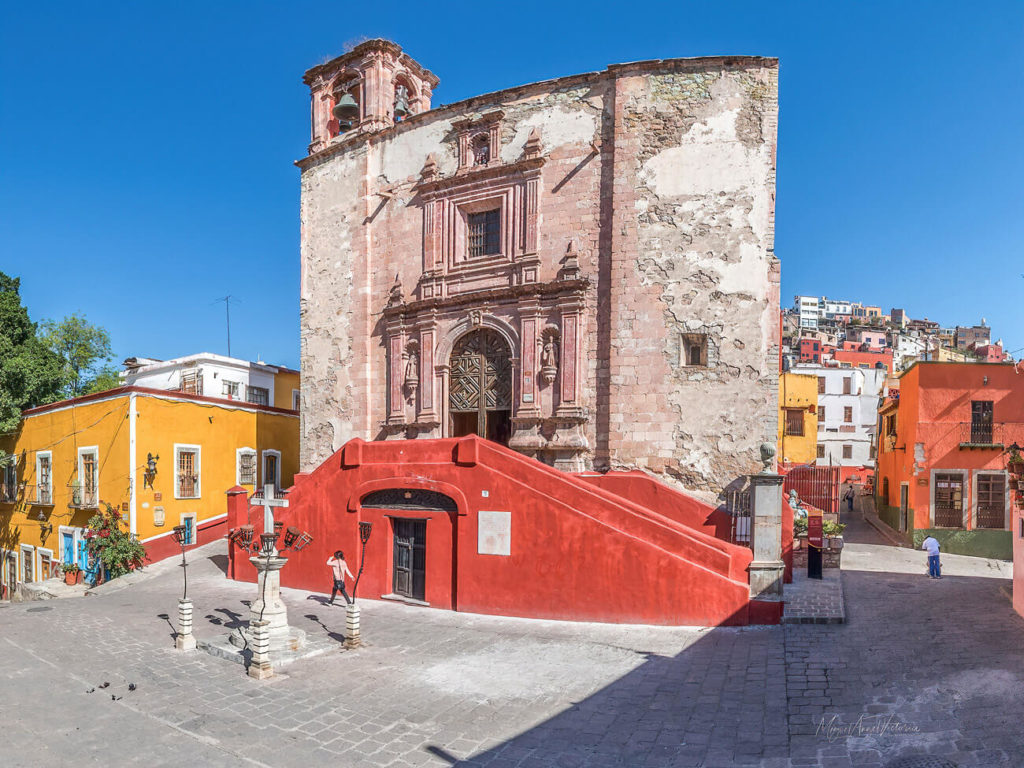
[146,150]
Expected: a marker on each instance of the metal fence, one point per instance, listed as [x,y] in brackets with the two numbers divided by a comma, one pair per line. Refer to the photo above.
[737,503]
[818,486]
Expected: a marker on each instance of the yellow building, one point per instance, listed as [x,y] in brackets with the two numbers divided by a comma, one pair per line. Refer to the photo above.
[163,455]
[798,418]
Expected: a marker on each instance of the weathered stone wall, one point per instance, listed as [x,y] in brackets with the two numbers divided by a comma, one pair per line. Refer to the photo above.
[661,175]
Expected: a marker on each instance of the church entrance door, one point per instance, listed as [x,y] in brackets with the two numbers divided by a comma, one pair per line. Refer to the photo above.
[480,391]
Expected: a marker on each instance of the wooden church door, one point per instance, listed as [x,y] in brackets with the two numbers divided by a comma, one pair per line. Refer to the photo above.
[480,387]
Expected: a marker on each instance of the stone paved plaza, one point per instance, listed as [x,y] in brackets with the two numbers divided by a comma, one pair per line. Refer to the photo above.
[920,668]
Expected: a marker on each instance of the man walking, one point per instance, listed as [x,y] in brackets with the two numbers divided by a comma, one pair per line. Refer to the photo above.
[849,497]
[934,570]
[339,569]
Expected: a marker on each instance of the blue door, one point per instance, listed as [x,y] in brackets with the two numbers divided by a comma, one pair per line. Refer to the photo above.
[190,530]
[67,547]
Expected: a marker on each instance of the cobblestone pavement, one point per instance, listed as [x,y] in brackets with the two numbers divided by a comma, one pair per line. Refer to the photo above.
[814,601]
[920,668]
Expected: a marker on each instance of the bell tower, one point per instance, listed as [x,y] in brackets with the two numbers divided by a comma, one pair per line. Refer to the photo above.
[368,89]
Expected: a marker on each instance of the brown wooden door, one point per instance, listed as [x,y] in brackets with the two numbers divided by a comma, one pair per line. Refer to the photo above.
[480,387]
[410,558]
[949,497]
[991,501]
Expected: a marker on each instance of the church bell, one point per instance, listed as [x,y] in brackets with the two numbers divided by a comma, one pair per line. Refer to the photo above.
[346,111]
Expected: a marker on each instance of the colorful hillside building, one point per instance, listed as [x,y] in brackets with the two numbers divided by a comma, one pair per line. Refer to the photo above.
[798,418]
[163,449]
[942,455]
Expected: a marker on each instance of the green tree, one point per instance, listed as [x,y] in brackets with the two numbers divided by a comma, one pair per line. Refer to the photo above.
[31,374]
[108,377]
[82,346]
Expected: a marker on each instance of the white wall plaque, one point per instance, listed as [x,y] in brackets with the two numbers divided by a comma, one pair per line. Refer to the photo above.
[494,533]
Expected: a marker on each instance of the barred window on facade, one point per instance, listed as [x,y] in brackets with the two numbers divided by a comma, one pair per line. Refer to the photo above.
[247,468]
[258,395]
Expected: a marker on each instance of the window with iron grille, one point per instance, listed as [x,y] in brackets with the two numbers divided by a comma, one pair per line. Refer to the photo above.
[8,482]
[90,479]
[821,385]
[948,495]
[44,480]
[820,452]
[794,421]
[484,233]
[848,413]
[187,473]
[192,382]
[821,413]
[847,451]
[981,421]
[247,468]
[257,395]
[991,501]
[230,389]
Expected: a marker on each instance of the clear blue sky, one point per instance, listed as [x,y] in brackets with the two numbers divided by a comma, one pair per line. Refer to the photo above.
[146,148]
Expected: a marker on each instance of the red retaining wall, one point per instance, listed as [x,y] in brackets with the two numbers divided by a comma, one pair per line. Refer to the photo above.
[578,552]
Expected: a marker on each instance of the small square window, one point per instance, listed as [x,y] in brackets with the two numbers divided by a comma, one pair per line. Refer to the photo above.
[847,451]
[230,389]
[484,233]
[694,349]
[821,452]
[258,395]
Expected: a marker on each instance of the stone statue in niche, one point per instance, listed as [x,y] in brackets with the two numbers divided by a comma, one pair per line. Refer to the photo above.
[549,357]
[395,296]
[412,372]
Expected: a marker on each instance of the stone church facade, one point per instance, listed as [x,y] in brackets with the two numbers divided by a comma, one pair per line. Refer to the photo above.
[582,269]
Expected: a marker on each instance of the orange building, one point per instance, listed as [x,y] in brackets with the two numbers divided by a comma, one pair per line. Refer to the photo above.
[162,454]
[942,455]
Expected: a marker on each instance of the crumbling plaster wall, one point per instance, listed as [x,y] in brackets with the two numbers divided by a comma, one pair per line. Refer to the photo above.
[704,150]
[680,160]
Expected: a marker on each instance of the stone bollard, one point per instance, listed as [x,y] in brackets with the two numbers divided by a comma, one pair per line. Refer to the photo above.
[352,639]
[185,641]
[259,666]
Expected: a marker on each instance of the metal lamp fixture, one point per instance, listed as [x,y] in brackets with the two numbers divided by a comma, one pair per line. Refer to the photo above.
[180,536]
[365,529]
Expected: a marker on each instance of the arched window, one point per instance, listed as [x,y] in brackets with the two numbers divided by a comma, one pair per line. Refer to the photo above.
[481,147]
[346,106]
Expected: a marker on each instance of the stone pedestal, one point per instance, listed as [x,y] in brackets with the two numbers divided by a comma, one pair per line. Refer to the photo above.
[185,641]
[352,638]
[767,567]
[259,666]
[269,608]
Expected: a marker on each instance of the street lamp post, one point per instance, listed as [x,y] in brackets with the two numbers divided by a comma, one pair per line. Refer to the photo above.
[352,637]
[185,641]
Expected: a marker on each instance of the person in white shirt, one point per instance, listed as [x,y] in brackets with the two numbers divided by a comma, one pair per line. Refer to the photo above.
[934,570]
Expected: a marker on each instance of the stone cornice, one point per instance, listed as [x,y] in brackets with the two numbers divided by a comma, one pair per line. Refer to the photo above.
[492,100]
[370,46]
[501,295]
[478,173]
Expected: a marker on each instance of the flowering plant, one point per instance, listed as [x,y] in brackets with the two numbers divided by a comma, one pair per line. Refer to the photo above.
[108,540]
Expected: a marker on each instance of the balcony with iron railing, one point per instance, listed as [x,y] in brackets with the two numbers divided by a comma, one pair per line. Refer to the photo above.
[977,435]
[39,495]
[188,486]
[8,492]
[83,497]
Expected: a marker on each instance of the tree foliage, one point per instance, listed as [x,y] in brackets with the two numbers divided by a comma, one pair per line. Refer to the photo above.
[107,538]
[83,347]
[31,374]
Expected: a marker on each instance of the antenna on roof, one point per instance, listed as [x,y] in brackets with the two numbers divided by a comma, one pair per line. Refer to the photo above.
[227,312]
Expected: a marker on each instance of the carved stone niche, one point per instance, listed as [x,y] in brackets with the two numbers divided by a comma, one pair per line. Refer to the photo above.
[547,347]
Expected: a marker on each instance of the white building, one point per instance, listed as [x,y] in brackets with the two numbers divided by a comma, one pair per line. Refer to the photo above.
[848,401]
[906,349]
[809,309]
[833,308]
[210,375]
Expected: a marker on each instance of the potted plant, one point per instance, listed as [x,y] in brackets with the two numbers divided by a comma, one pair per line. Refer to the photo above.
[71,572]
[1015,463]
[76,493]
